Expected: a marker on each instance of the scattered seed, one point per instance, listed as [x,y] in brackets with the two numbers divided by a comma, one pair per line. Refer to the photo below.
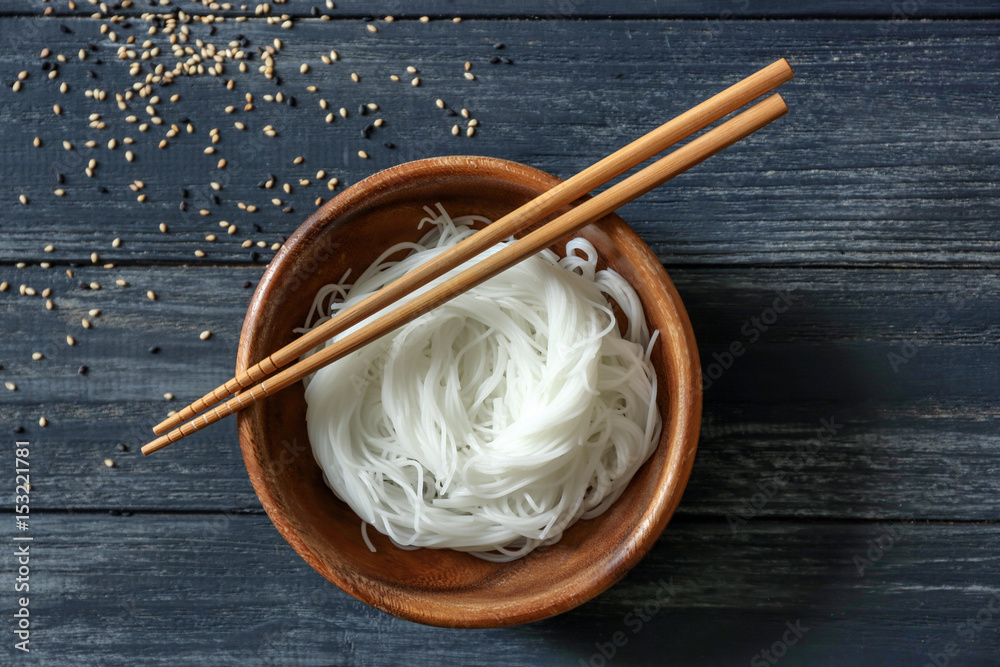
[37,356]
[205,335]
[168,396]
[151,295]
[43,422]
[109,463]
[70,341]
[10,386]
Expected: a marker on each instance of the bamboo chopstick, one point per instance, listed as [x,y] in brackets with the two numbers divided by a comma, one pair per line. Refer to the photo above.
[634,186]
[597,174]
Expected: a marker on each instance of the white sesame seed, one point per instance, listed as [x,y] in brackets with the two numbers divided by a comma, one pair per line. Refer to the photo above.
[70,341]
[205,335]
[109,463]
[43,422]
[37,356]
[151,295]
[168,396]
[10,386]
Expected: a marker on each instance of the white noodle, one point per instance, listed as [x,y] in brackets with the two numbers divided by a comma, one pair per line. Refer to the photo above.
[497,420]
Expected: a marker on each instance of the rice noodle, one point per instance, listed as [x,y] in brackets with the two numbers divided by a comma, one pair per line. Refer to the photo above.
[497,420]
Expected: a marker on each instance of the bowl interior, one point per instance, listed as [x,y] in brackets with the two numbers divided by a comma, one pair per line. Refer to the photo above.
[444,587]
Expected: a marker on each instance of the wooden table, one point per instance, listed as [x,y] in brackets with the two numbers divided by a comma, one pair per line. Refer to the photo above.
[844,506]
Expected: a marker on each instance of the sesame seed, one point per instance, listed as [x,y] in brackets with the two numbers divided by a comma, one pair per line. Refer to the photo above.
[130,156]
[70,341]
[151,295]
[10,386]
[205,335]
[473,123]
[425,19]
[334,56]
[209,150]
[37,356]
[121,283]
[439,103]
[49,305]
[116,243]
[95,286]
[85,323]
[168,396]
[22,199]
[304,68]
[354,77]
[37,142]
[415,82]
[58,192]
[465,113]
[48,248]
[163,227]
[372,28]
[43,422]
[470,132]
[298,160]
[109,463]
[456,130]
[470,76]
[199,253]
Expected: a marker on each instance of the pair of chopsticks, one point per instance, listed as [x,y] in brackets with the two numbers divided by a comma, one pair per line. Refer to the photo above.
[668,134]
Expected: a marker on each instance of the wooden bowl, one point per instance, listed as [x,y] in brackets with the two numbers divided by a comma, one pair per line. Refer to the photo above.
[440,586]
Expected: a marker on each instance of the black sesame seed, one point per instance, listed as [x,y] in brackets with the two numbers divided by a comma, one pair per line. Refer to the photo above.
[216,199]
[211,30]
[277,80]
[91,46]
[91,74]
[288,209]
[126,513]
[292,102]
[362,109]
[65,29]
[84,286]
[154,349]
[281,239]
[82,370]
[499,45]
[46,66]
[246,284]
[18,429]
[102,189]
[122,447]
[115,512]
[367,19]
[60,178]
[389,144]
[366,133]
[314,11]
[451,112]
[494,59]
[183,206]
[257,228]
[254,256]
[508,61]
[184,193]
[262,185]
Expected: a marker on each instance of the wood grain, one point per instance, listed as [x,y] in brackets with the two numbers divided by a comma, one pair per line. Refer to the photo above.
[923,168]
[274,610]
[932,425]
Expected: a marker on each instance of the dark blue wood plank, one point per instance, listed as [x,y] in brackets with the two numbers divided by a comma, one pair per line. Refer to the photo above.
[888,155]
[562,9]
[225,589]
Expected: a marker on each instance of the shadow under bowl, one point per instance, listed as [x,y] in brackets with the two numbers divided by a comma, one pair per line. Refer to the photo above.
[439,586]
